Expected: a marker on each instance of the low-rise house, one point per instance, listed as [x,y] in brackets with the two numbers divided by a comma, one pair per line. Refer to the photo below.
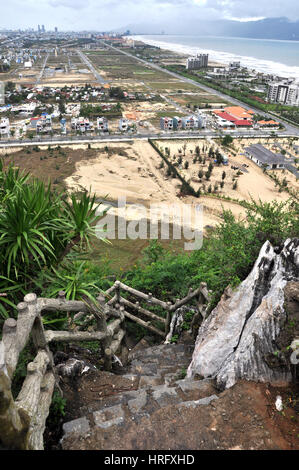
[177,122]
[102,124]
[166,123]
[4,127]
[123,124]
[44,124]
[81,124]
[190,122]
[264,157]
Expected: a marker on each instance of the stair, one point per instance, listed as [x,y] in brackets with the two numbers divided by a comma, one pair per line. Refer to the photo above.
[154,379]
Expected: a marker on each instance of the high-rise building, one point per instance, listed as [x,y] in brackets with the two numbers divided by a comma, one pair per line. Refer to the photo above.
[56,29]
[198,62]
[43,29]
[38,28]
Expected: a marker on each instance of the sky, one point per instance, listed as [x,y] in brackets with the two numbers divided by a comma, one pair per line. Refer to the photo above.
[106,15]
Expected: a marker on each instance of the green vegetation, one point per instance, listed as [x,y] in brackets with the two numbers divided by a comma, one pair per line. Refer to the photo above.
[38,229]
[226,257]
[89,110]
[243,94]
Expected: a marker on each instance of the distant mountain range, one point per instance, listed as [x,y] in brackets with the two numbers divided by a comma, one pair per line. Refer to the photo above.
[268,28]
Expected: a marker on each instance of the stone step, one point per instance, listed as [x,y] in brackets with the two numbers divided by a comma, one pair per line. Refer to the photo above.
[156,374]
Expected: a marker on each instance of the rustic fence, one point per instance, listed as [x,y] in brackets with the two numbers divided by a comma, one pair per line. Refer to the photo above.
[23,420]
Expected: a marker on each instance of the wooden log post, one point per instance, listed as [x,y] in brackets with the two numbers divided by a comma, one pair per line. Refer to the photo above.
[168,319]
[28,398]
[13,427]
[117,285]
[102,326]
[38,423]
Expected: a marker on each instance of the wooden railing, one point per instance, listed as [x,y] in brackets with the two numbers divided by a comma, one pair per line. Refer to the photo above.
[23,420]
[201,293]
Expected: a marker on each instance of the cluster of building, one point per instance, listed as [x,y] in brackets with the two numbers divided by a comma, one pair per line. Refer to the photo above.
[233,117]
[284,92]
[83,124]
[198,62]
[187,122]
[20,56]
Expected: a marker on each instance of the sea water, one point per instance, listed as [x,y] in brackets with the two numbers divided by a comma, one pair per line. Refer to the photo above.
[263,55]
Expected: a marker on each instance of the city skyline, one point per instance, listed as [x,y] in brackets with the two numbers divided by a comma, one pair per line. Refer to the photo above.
[109,14]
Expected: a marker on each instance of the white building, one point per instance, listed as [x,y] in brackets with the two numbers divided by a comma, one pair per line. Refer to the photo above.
[284,93]
[4,127]
[102,124]
[123,125]
[190,122]
[234,65]
[81,124]
[197,62]
[44,124]
[166,123]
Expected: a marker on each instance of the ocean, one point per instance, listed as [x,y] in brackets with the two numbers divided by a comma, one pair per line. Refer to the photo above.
[264,55]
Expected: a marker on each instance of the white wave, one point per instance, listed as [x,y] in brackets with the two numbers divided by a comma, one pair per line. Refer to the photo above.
[252,63]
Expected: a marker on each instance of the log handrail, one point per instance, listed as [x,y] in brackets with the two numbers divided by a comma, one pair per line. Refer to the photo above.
[22,421]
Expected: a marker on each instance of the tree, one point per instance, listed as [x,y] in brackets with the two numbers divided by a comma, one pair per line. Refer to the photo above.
[227,140]
[38,227]
[219,158]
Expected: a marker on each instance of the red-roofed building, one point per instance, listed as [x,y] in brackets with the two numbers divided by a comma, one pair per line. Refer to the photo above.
[228,117]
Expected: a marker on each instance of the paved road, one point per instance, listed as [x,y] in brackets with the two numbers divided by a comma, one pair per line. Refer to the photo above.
[289,129]
[62,139]
[91,67]
[40,76]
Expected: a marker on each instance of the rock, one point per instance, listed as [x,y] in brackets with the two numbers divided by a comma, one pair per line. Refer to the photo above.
[78,426]
[201,402]
[114,415]
[177,320]
[136,405]
[238,336]
[71,368]
[164,395]
[187,385]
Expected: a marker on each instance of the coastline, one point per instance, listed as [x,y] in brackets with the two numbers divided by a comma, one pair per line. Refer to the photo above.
[220,57]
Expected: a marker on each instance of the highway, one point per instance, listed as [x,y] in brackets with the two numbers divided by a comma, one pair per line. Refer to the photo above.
[166,135]
[87,62]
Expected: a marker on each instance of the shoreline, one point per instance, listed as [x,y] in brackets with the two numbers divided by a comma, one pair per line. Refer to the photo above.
[221,57]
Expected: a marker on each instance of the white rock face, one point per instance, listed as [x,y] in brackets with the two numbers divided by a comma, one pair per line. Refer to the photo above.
[234,341]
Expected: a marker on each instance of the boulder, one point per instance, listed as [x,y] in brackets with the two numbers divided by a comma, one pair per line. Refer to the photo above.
[238,338]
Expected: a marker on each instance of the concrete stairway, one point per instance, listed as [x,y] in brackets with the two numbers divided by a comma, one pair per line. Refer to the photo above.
[153,380]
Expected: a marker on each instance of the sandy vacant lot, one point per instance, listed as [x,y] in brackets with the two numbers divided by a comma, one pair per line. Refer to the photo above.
[134,172]
[251,181]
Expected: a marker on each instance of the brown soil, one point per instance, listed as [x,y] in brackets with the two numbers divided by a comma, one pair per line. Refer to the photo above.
[58,164]
[244,418]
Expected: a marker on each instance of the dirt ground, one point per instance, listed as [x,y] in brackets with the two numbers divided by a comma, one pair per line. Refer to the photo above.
[243,418]
[133,170]
[251,181]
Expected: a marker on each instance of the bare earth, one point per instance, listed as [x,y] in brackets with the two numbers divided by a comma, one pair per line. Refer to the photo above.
[243,418]
[137,176]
